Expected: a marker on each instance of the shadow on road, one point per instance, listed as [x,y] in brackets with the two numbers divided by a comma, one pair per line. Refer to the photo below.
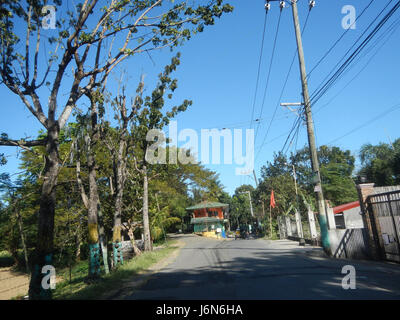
[250,269]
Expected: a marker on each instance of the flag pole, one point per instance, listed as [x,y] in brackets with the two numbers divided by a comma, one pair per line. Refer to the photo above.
[271,204]
[270,221]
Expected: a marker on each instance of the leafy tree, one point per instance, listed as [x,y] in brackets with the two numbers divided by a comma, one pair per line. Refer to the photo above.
[381,163]
[336,168]
[151,118]
[336,173]
[277,176]
[239,211]
[81,47]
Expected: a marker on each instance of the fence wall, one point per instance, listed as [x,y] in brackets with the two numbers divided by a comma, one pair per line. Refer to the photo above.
[288,230]
[349,243]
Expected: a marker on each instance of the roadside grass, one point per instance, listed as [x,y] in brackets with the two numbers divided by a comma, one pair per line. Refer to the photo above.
[77,289]
[274,237]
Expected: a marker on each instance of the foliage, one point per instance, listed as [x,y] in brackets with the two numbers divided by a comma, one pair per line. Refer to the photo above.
[381,163]
[240,213]
[78,61]
[77,289]
[336,169]
[173,187]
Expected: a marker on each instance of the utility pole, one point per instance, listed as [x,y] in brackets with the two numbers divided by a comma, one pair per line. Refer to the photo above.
[310,125]
[255,178]
[262,201]
[251,205]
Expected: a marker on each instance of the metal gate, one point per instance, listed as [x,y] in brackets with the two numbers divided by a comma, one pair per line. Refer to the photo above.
[385,217]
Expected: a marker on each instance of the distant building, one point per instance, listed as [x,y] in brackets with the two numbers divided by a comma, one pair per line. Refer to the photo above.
[208,218]
[348,216]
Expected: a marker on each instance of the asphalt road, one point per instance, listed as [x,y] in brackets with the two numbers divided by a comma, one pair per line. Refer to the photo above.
[261,269]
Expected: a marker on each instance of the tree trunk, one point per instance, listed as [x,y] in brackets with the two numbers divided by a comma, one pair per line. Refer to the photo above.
[78,247]
[93,196]
[146,223]
[120,182]
[94,249]
[21,231]
[102,238]
[132,238]
[44,249]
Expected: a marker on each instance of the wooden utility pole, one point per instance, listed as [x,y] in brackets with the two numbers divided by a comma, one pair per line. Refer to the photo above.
[310,128]
[262,201]
[251,205]
[310,125]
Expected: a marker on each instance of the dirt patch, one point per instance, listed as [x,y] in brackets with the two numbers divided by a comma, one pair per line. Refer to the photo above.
[12,283]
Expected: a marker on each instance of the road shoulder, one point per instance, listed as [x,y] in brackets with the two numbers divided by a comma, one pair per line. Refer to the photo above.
[144,276]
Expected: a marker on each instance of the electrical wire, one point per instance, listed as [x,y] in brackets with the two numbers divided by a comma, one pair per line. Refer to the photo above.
[353,45]
[366,123]
[339,39]
[334,78]
[259,67]
[284,87]
[269,71]
[388,34]
[296,124]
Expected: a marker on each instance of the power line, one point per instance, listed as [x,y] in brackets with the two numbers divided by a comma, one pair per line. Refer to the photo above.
[284,85]
[273,139]
[377,117]
[295,127]
[241,124]
[348,51]
[270,68]
[388,34]
[328,84]
[338,40]
[295,137]
[355,42]
[259,66]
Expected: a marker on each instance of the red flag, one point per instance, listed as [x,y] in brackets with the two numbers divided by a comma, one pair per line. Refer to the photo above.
[272,201]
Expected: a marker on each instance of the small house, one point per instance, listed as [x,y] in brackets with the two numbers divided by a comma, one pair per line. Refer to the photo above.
[208,218]
[348,216]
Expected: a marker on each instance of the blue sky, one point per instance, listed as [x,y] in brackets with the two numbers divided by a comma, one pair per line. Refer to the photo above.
[218,72]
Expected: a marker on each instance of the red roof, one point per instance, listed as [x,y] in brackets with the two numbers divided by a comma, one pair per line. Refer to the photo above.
[346,206]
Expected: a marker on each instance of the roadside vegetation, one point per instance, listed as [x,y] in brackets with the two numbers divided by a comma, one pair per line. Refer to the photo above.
[379,164]
[75,288]
[6,260]
[84,182]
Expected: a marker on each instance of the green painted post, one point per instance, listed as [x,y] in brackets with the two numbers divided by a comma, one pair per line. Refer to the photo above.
[117,254]
[94,260]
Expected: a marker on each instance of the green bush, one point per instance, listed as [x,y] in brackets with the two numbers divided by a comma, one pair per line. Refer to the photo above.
[6,260]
